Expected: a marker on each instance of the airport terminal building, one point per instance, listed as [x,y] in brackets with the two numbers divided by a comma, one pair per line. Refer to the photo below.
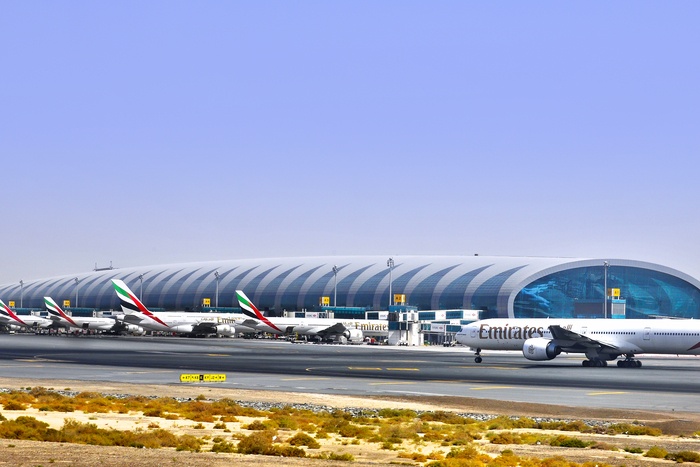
[497,286]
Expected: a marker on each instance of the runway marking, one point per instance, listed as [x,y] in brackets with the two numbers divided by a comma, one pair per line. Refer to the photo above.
[146,372]
[217,355]
[397,382]
[491,387]
[605,393]
[402,361]
[305,379]
[38,360]
[362,368]
[490,367]
[403,369]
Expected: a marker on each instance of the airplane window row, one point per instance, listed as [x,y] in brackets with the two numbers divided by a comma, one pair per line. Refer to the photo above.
[618,333]
[676,334]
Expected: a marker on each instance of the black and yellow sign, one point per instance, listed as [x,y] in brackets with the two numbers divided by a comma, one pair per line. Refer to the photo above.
[202,378]
[614,293]
[11,304]
[206,302]
[324,301]
[66,303]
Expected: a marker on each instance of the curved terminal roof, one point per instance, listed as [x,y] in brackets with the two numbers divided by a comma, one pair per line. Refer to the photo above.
[501,286]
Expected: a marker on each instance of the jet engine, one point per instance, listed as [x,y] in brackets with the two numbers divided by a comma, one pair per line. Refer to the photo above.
[183,329]
[133,329]
[354,336]
[225,330]
[540,348]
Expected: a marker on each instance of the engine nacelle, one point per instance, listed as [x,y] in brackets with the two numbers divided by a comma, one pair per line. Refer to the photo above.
[540,348]
[225,330]
[183,328]
[354,336]
[133,329]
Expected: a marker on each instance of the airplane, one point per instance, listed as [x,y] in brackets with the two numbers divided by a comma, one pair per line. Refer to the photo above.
[77,322]
[10,319]
[601,340]
[353,331]
[135,312]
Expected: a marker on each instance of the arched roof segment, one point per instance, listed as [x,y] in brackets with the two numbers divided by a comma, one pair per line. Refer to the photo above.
[491,283]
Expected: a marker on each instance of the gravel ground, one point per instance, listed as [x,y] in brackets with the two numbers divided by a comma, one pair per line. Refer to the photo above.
[28,453]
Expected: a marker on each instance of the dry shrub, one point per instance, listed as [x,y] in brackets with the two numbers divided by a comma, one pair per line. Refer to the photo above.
[303,439]
[24,428]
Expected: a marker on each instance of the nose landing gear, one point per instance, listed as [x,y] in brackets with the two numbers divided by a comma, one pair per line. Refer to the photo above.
[477,356]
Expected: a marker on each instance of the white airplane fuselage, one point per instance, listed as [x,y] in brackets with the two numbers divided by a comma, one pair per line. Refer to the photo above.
[87,323]
[604,338]
[316,326]
[186,323]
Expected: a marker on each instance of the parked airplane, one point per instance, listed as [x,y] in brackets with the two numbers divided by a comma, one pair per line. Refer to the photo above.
[9,318]
[325,328]
[601,340]
[222,324]
[77,322]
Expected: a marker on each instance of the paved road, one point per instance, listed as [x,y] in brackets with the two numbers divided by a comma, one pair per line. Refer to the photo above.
[663,383]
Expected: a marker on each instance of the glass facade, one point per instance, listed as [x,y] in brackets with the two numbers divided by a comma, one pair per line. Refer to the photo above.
[578,292]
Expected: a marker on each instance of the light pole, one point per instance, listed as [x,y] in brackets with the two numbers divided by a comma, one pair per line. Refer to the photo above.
[606,265]
[141,290]
[21,293]
[390,265]
[76,291]
[216,300]
[335,285]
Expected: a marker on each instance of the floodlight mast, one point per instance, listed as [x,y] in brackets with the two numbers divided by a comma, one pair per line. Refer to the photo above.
[390,265]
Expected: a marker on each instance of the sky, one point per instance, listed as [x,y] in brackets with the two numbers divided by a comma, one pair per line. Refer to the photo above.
[140,133]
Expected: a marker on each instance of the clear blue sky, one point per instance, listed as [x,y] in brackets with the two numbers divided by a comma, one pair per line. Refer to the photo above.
[159,132]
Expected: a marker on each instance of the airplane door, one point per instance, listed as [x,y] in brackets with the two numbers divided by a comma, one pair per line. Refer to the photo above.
[647,334]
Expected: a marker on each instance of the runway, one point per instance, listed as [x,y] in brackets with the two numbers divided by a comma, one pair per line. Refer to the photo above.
[665,383]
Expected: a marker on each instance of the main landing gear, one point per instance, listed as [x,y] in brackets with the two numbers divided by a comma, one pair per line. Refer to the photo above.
[477,357]
[629,362]
[594,362]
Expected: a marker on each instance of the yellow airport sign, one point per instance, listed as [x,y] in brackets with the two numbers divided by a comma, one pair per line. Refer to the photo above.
[206,302]
[66,303]
[325,301]
[202,378]
[615,293]
[399,299]
[12,304]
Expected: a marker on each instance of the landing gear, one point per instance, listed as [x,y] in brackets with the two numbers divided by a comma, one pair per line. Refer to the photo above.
[629,362]
[477,357]
[597,362]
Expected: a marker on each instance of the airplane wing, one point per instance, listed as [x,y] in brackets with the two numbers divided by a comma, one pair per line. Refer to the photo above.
[131,319]
[250,323]
[570,340]
[334,330]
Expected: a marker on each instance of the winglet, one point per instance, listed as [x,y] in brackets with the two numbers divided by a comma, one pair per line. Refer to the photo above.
[56,311]
[130,303]
[251,310]
[7,311]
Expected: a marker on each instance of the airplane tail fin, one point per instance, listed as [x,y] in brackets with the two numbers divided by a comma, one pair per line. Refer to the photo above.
[251,310]
[130,304]
[55,311]
[7,311]
[127,299]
